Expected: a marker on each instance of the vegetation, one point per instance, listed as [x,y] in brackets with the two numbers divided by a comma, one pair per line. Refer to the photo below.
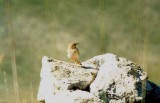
[30,29]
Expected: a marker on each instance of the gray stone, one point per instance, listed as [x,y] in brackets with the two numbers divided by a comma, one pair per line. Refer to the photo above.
[101,79]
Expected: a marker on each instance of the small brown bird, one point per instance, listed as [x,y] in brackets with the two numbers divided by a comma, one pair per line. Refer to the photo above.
[73,53]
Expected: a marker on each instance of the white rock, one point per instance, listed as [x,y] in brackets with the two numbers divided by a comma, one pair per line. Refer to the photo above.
[111,79]
[59,76]
[73,97]
[116,79]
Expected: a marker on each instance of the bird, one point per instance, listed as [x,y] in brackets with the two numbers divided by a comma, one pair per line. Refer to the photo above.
[73,53]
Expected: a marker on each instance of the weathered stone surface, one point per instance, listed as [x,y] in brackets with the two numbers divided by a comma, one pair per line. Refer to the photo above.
[101,79]
[57,76]
[118,79]
[77,96]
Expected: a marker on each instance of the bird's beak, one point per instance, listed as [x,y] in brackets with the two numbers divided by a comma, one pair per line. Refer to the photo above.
[76,43]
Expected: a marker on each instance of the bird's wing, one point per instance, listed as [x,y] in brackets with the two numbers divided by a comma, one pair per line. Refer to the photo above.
[77,51]
[74,51]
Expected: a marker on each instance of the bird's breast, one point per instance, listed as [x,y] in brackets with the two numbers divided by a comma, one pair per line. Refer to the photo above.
[69,55]
[73,55]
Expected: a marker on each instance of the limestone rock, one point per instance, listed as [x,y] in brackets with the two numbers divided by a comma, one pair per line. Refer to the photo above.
[77,96]
[118,81]
[57,76]
[102,79]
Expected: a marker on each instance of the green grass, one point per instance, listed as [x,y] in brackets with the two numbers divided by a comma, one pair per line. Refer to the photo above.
[46,27]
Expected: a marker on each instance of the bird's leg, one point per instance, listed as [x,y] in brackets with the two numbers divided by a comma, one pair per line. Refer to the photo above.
[78,62]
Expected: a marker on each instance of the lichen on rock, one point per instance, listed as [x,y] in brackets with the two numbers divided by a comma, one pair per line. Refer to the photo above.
[102,79]
[118,78]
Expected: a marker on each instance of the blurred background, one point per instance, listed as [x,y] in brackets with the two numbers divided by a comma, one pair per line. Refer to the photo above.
[31,29]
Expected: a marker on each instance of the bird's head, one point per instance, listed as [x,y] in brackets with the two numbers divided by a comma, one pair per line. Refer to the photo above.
[72,45]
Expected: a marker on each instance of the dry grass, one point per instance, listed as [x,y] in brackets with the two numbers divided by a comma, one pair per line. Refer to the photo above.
[6,88]
[12,46]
